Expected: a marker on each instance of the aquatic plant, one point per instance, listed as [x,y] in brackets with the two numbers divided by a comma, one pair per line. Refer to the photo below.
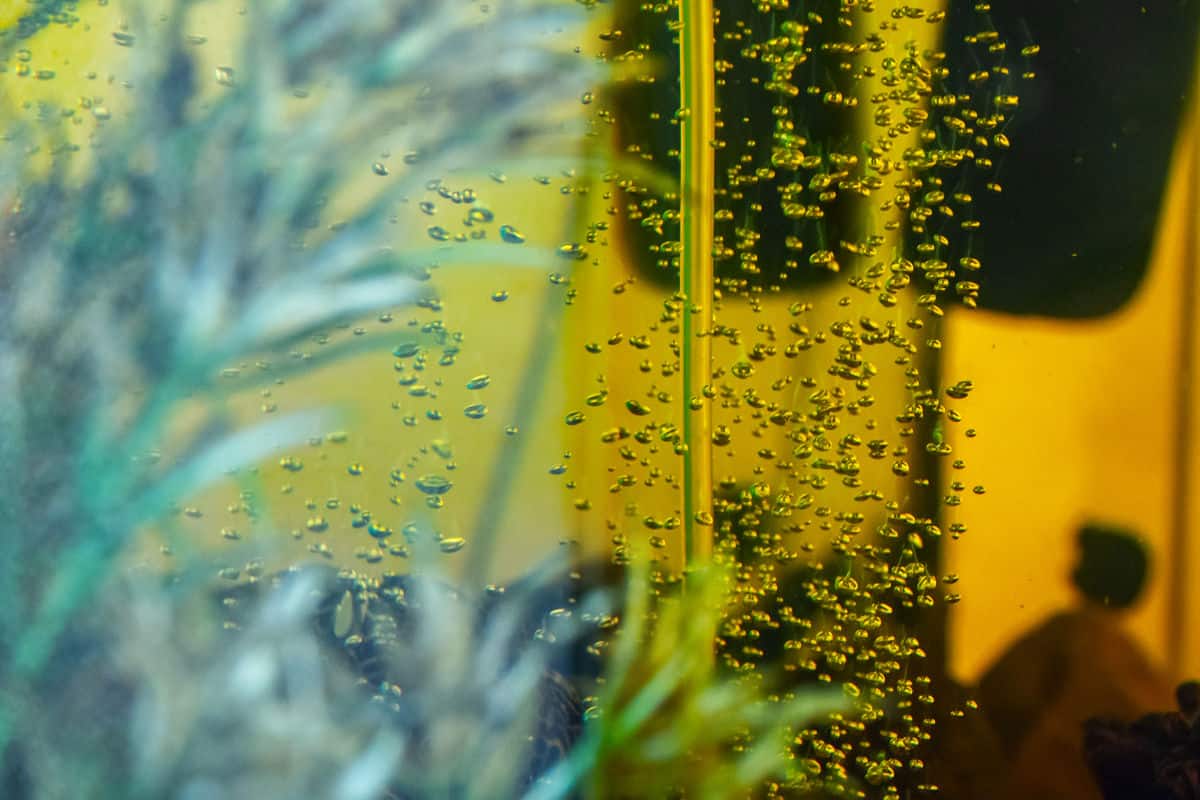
[422,691]
[193,238]
[697,166]
[666,722]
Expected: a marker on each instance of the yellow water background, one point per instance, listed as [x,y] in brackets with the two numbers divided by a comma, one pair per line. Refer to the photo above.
[1075,420]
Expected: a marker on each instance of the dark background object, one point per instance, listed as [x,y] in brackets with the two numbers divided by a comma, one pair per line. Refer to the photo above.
[1156,757]
[752,229]
[1069,236]
[1112,565]
[1071,233]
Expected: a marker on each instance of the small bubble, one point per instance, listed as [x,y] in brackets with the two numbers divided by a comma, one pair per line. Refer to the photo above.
[438,233]
[511,235]
[433,484]
[574,418]
[636,408]
[452,544]
[225,76]
[476,411]
[960,390]
[479,382]
[573,251]
[479,216]
[499,296]
[742,369]
[123,39]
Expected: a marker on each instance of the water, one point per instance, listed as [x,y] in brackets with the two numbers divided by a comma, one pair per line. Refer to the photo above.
[806,393]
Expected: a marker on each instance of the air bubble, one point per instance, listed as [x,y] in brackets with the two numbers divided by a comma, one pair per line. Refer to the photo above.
[636,408]
[573,251]
[433,484]
[511,235]
[479,216]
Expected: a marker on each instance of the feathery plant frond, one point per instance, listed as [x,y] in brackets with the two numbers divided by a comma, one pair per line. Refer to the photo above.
[252,711]
[453,697]
[195,238]
[667,724]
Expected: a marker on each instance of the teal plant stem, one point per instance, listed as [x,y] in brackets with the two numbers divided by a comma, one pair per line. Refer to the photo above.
[530,392]
[697,120]
[506,471]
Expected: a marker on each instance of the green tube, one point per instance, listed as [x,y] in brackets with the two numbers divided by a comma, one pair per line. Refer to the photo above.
[697,120]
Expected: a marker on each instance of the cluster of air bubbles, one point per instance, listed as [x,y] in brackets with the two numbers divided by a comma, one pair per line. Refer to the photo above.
[847,158]
[845,224]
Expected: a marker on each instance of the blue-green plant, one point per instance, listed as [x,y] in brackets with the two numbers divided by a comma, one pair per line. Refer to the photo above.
[194,237]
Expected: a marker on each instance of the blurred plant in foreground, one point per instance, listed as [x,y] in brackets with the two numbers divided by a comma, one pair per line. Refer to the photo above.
[193,239]
[418,697]
[667,722]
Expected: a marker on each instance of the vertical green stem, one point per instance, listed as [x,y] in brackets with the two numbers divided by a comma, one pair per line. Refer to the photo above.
[697,131]
[530,391]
